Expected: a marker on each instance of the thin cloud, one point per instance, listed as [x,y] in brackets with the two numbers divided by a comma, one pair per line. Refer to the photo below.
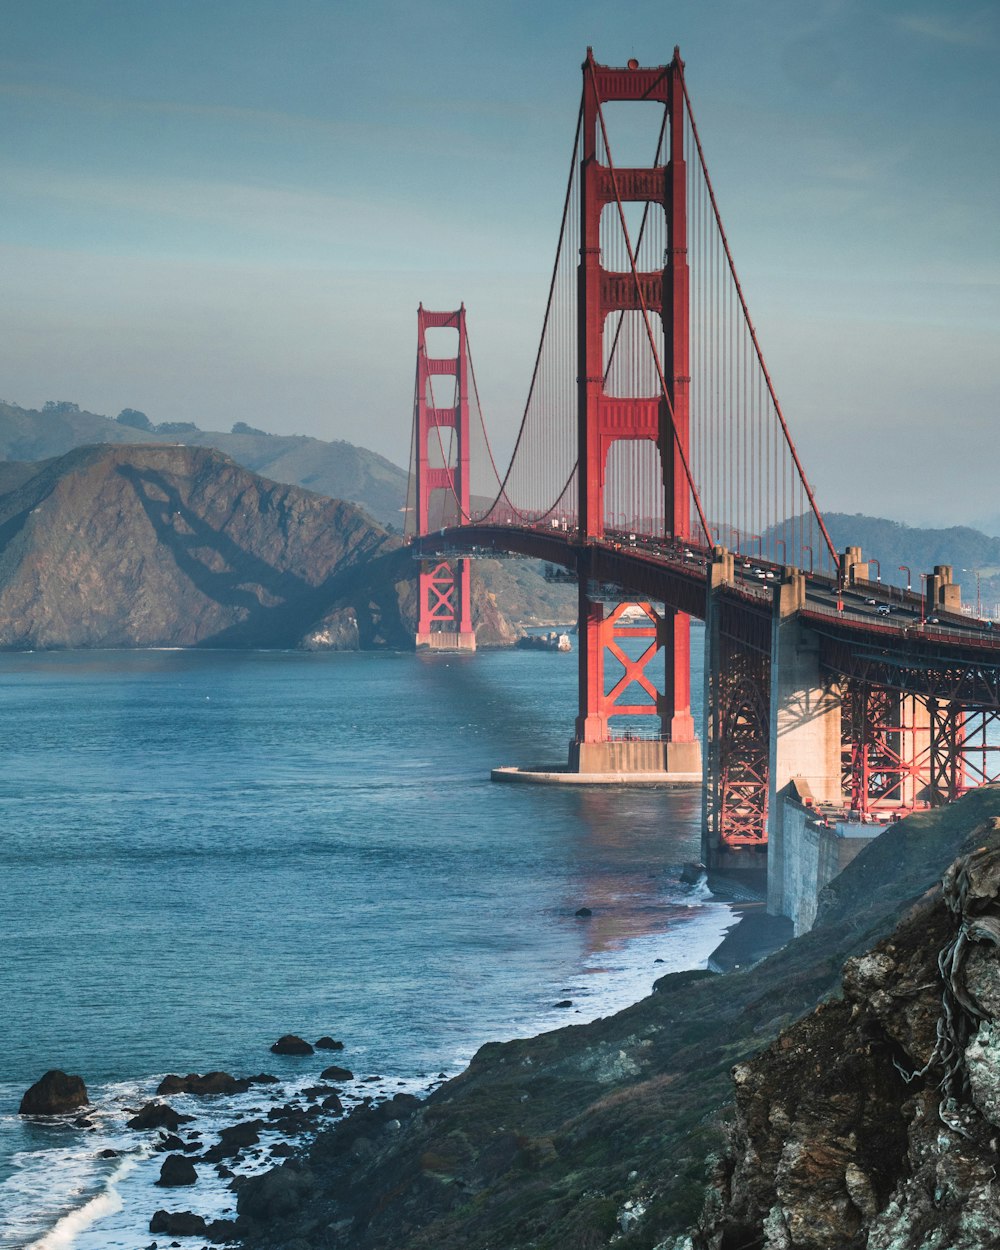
[976,30]
[65,98]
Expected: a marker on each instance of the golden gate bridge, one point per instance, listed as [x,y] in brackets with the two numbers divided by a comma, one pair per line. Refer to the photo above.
[654,464]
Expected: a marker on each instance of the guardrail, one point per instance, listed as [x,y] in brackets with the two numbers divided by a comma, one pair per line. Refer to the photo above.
[985,638]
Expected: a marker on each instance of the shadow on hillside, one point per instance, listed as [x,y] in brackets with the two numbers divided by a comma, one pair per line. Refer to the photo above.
[294,604]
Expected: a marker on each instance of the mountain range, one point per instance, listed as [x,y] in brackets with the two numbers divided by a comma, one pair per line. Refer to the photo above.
[337,469]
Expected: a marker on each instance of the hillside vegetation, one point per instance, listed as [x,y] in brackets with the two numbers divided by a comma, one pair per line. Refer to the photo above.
[149,545]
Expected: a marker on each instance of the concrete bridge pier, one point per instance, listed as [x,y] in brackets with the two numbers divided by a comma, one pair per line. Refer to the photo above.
[805,732]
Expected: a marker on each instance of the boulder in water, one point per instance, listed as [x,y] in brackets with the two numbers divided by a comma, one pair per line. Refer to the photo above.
[55,1093]
[177,1170]
[336,1074]
[583,912]
[328,1043]
[290,1044]
[210,1083]
[158,1115]
[178,1224]
[234,1139]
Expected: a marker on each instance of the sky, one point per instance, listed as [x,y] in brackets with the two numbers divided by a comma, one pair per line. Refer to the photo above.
[230,210]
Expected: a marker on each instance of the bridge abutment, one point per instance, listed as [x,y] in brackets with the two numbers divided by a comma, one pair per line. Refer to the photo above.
[805,727]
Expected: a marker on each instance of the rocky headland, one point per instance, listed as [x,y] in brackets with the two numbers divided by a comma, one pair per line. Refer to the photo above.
[146,545]
[844,1093]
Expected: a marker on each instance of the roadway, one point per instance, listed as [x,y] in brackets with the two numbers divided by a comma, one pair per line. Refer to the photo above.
[626,563]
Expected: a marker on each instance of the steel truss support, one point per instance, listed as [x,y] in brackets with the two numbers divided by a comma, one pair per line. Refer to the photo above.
[886,749]
[737,724]
[442,483]
[605,419]
[903,751]
[919,729]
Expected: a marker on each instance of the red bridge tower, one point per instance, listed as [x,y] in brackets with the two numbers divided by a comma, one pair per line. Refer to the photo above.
[605,419]
[441,425]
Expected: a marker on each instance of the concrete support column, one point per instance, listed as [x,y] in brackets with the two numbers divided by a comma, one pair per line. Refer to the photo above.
[805,737]
[942,593]
[852,567]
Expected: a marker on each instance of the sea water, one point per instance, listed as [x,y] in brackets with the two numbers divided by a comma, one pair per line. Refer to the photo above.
[201,851]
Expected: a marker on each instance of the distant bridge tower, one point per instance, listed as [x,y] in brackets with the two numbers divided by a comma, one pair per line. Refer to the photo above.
[605,419]
[441,428]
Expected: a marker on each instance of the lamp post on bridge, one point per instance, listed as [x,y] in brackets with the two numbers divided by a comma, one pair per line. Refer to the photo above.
[806,547]
[979,598]
[923,589]
[878,569]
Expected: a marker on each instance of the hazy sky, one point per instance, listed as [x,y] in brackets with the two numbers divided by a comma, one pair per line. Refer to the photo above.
[223,210]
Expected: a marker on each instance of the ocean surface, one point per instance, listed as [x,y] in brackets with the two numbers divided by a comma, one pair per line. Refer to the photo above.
[203,851]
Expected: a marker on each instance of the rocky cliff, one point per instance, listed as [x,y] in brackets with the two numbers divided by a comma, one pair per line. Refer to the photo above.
[865,1107]
[156,545]
[873,1123]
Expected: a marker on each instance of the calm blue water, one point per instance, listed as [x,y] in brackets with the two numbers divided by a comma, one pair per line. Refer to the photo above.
[203,851]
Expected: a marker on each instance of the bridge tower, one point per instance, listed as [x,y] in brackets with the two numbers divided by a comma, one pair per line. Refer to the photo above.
[605,419]
[441,433]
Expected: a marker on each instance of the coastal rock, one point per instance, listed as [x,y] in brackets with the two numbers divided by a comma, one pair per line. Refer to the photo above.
[319,1091]
[289,1119]
[328,1043]
[583,912]
[158,1115]
[178,1224]
[333,1104]
[56,1093]
[290,1044]
[275,1195]
[234,1139]
[210,1083]
[187,1224]
[177,1170]
[333,1073]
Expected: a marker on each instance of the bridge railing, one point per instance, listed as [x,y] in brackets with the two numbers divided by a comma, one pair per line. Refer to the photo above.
[970,636]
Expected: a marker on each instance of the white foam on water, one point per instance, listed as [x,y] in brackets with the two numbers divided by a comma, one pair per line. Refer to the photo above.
[70,1226]
[112,1201]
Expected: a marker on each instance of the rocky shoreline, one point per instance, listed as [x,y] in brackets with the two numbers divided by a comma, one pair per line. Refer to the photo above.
[216,1142]
[624,1131]
[812,1102]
